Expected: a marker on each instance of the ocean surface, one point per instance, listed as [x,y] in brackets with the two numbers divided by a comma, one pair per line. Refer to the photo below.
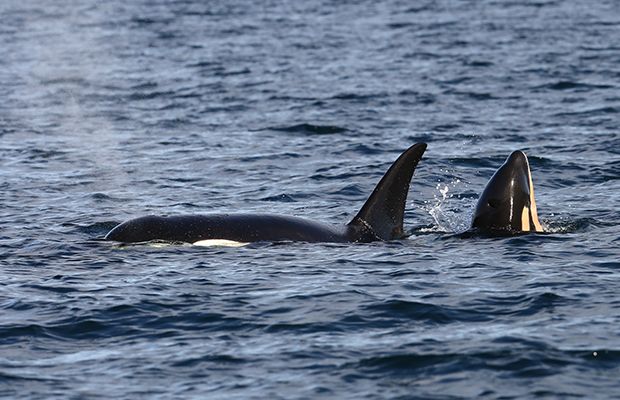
[111,110]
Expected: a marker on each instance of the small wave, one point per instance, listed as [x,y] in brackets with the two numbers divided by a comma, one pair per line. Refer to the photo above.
[365,149]
[403,362]
[608,172]
[572,85]
[520,304]
[280,198]
[400,25]
[589,113]
[474,95]
[145,85]
[480,64]
[54,289]
[357,96]
[74,328]
[430,6]
[40,154]
[102,197]
[226,73]
[148,21]
[219,359]
[348,191]
[150,95]
[65,81]
[395,311]
[14,376]
[545,351]
[185,205]
[308,129]
[447,128]
[507,354]
[338,177]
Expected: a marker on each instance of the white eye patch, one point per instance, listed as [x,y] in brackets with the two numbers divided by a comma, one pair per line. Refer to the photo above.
[525,219]
[534,212]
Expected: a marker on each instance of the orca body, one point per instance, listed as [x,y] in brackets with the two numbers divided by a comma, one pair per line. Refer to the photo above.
[507,203]
[381,218]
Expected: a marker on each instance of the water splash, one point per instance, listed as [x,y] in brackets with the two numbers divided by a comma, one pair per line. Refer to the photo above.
[566,224]
[451,212]
[436,211]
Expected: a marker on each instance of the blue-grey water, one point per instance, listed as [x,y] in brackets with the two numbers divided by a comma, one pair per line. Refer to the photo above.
[115,109]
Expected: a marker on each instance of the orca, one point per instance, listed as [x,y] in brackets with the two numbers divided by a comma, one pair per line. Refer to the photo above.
[380,218]
[507,203]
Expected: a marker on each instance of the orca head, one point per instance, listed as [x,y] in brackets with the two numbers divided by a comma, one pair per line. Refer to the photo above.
[507,203]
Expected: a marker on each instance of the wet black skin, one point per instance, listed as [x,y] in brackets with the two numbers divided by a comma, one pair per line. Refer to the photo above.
[238,227]
[381,218]
[501,204]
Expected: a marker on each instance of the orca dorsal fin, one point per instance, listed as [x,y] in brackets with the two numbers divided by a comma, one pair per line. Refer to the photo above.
[381,217]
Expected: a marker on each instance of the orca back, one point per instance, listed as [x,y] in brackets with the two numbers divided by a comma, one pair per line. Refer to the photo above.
[380,218]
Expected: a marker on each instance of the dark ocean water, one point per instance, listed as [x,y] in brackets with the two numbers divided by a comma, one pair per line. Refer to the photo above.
[117,109]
